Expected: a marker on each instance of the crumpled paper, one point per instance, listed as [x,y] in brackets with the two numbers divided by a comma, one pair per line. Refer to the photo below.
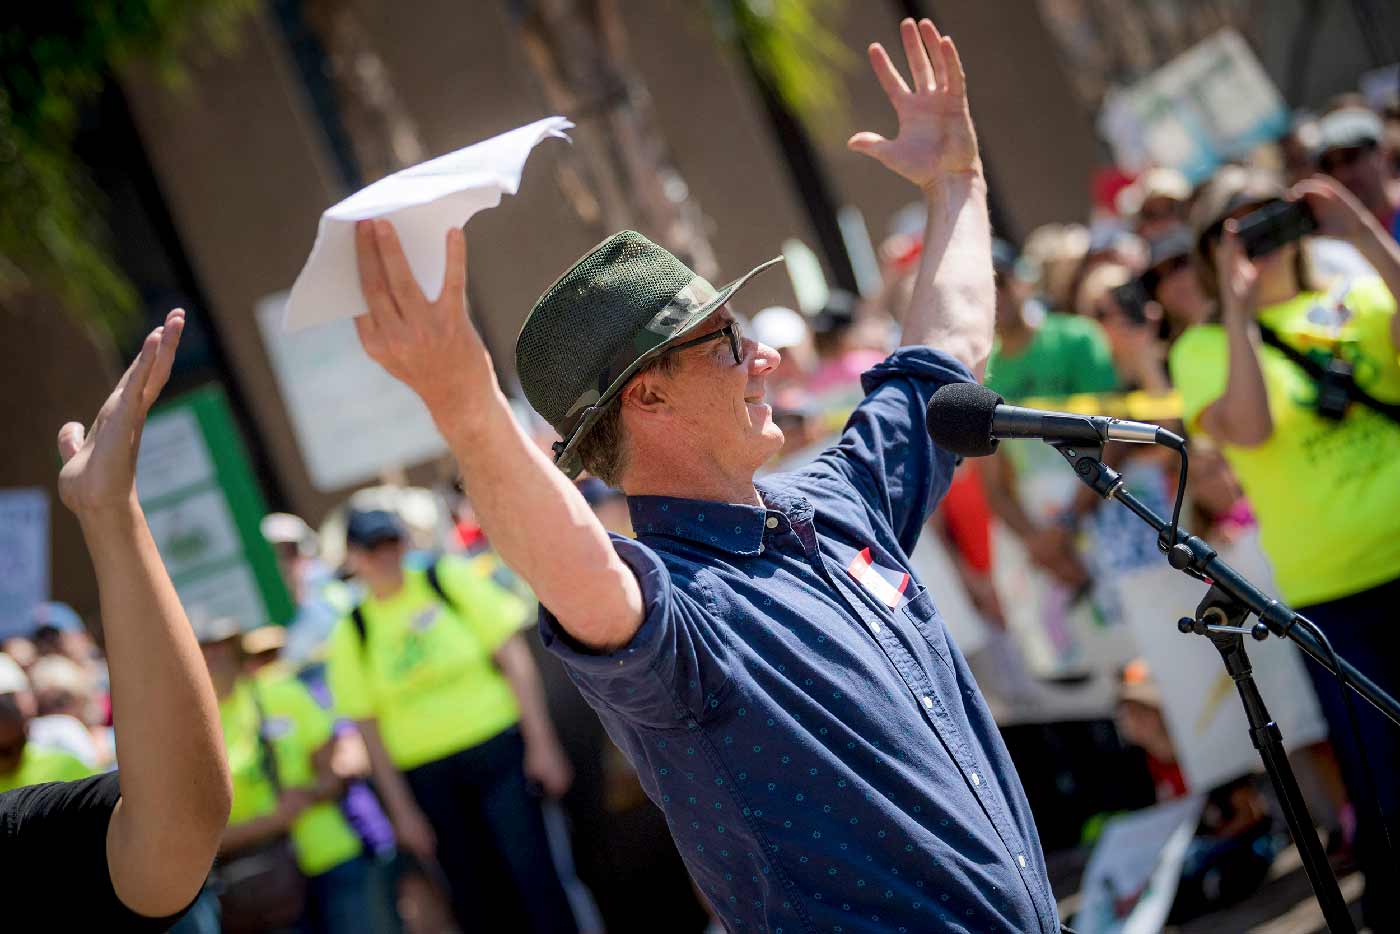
[423,202]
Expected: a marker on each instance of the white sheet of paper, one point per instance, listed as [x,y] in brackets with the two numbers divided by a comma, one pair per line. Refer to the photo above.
[424,202]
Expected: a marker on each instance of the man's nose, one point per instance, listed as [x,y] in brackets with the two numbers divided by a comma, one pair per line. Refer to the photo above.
[765,359]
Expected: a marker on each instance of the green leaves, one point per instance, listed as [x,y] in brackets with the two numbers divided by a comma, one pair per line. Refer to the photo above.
[794,49]
[54,60]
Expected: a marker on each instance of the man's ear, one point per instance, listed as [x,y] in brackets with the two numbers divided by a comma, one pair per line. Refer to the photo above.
[648,393]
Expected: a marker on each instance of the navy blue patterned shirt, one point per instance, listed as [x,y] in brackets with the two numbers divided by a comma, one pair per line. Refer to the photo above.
[793,704]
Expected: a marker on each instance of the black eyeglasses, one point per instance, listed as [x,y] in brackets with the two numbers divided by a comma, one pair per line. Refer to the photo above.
[1334,159]
[730,331]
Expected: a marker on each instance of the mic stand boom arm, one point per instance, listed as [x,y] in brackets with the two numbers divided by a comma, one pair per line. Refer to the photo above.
[1194,556]
[1220,617]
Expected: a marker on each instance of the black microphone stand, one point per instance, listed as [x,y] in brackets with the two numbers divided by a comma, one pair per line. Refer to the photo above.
[1220,617]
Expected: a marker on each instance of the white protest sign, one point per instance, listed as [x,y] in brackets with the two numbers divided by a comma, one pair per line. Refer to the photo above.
[1199,701]
[24,557]
[1131,878]
[424,202]
[352,420]
[1211,103]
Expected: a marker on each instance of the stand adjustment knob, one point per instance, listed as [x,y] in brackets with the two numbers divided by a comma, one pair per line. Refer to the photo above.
[1185,625]
[1259,632]
[1180,557]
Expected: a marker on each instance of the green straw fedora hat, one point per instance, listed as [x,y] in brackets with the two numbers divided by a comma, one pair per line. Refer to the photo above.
[613,312]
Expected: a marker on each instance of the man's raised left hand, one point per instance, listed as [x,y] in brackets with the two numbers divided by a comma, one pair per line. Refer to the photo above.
[936,138]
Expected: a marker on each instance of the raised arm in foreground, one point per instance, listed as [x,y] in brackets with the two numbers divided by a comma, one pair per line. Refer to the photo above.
[536,520]
[954,300]
[174,779]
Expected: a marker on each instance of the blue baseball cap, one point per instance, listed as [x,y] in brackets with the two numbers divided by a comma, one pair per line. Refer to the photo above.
[366,528]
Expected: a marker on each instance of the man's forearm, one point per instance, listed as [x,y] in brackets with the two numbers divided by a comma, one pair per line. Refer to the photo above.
[175,782]
[541,526]
[519,670]
[954,300]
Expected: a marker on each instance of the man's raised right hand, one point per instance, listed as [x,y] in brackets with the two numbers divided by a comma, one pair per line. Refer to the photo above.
[430,346]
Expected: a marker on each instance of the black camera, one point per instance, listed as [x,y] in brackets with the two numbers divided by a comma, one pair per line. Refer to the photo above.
[1274,224]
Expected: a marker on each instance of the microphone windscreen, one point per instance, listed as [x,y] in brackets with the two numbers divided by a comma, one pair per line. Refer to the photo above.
[960,419]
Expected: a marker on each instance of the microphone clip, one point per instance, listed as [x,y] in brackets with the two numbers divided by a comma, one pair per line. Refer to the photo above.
[1086,459]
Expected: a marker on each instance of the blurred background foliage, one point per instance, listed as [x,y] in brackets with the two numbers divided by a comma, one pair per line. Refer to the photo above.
[55,58]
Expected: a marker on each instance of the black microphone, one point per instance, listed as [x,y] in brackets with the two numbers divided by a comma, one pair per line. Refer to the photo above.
[969,419]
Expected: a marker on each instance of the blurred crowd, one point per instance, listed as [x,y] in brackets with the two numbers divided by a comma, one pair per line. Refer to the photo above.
[363,735]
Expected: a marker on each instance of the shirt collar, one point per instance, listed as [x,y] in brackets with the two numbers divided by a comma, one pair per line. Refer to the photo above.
[737,529]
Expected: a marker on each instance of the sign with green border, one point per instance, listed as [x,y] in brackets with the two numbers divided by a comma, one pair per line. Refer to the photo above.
[196,486]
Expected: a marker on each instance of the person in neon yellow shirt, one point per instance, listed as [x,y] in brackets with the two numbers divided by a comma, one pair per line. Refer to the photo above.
[451,708]
[21,762]
[1324,481]
[296,794]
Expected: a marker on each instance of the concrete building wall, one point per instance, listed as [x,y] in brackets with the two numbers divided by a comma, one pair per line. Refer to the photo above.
[245,175]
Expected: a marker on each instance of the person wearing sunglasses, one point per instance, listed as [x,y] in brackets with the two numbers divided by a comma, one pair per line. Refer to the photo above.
[1351,149]
[1171,281]
[128,850]
[1155,202]
[761,652]
[1320,466]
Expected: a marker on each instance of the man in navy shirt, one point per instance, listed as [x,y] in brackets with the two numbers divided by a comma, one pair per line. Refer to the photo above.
[783,684]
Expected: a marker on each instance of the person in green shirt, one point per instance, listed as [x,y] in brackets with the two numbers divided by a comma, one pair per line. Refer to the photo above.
[1324,480]
[280,748]
[433,668]
[1038,353]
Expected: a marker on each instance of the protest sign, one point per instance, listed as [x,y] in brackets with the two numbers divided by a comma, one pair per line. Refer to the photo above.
[24,557]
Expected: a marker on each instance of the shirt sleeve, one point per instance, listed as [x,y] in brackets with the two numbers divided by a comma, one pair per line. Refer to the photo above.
[674,669]
[54,836]
[1199,365]
[493,612]
[346,673]
[885,453]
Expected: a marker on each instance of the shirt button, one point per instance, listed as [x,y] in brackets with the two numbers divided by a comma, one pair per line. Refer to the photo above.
[1022,861]
[874,627]
[976,779]
[928,701]
[772,522]
[760,549]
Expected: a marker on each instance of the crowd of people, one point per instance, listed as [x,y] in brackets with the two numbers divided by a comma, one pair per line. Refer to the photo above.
[398,752]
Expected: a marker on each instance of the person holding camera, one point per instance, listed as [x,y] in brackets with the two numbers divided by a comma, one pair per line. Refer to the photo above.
[1299,382]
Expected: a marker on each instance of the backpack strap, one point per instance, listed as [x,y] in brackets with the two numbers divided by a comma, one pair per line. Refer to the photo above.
[357,616]
[435,582]
[267,759]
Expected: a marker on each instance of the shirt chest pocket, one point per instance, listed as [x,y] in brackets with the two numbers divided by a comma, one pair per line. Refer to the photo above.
[923,615]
